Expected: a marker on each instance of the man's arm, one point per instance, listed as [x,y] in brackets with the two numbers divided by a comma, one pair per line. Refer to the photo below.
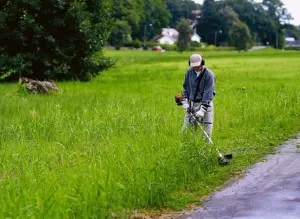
[184,101]
[185,84]
[208,90]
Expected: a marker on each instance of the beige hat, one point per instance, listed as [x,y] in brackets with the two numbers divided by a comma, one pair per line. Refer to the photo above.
[195,60]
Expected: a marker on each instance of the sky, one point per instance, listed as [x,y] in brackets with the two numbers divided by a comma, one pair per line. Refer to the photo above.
[290,5]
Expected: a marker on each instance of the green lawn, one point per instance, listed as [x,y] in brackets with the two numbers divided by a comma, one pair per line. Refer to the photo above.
[104,148]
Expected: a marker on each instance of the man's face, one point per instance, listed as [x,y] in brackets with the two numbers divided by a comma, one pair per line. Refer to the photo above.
[197,68]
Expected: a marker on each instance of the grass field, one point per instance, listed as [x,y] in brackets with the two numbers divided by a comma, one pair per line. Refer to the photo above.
[104,148]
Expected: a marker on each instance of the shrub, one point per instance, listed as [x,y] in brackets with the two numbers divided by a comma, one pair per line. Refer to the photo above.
[120,34]
[169,47]
[134,43]
[53,38]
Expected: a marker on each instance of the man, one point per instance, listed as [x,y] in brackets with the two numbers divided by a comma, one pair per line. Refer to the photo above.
[198,93]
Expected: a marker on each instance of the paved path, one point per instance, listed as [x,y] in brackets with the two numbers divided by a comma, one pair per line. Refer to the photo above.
[269,190]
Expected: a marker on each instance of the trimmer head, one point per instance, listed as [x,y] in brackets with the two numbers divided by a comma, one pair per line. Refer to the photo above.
[228,156]
[222,161]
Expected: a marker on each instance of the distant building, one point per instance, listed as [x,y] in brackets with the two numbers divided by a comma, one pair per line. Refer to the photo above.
[195,37]
[290,39]
[167,36]
[292,42]
[170,35]
[196,13]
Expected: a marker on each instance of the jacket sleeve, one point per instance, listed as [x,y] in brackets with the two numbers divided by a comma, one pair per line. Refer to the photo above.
[208,90]
[185,85]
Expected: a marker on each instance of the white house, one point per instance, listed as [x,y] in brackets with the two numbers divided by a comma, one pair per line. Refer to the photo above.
[290,39]
[195,37]
[167,36]
[165,39]
[170,32]
[170,36]
[292,42]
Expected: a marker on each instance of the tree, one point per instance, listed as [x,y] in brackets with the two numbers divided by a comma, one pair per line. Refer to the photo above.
[265,20]
[292,31]
[120,34]
[279,15]
[143,16]
[53,38]
[156,15]
[209,22]
[131,12]
[184,38]
[240,36]
[228,17]
[181,9]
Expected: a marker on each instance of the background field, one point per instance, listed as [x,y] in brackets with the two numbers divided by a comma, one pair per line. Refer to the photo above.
[103,148]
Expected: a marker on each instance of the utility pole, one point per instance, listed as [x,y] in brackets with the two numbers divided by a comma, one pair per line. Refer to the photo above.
[145,34]
[144,43]
[276,39]
[216,38]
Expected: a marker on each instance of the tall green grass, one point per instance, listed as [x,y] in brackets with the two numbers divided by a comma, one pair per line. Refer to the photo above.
[103,148]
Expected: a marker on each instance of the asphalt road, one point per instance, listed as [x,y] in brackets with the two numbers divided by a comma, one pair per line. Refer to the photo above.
[269,190]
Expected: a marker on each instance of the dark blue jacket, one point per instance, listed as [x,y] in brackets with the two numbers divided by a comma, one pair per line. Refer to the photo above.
[206,88]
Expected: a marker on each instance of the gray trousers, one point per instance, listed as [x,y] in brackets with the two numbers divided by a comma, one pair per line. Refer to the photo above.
[207,121]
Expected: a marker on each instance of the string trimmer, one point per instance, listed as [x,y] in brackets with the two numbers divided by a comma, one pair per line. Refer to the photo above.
[222,159]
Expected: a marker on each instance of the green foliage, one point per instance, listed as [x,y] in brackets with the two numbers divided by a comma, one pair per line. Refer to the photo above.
[149,44]
[195,44]
[229,17]
[131,12]
[240,36]
[292,31]
[145,17]
[169,47]
[53,38]
[181,9]
[252,14]
[120,34]
[157,17]
[184,38]
[263,19]
[134,43]
[210,21]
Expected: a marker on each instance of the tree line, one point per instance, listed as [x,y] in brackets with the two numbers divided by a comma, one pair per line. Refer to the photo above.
[64,39]
[238,23]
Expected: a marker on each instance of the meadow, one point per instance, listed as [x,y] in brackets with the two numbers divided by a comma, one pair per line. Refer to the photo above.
[104,148]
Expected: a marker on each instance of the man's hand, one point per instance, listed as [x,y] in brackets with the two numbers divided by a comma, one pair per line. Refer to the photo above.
[186,107]
[201,112]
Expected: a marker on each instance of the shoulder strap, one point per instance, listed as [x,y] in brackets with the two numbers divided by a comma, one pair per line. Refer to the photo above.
[198,83]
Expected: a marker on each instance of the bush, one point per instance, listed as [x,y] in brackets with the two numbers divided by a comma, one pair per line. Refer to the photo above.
[53,39]
[120,34]
[169,47]
[150,44]
[292,48]
[240,36]
[134,44]
[195,44]
[184,29]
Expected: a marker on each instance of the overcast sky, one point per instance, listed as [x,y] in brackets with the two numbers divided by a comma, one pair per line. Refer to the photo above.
[290,5]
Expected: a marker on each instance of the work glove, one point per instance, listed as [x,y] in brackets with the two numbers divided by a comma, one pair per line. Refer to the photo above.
[201,112]
[186,106]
